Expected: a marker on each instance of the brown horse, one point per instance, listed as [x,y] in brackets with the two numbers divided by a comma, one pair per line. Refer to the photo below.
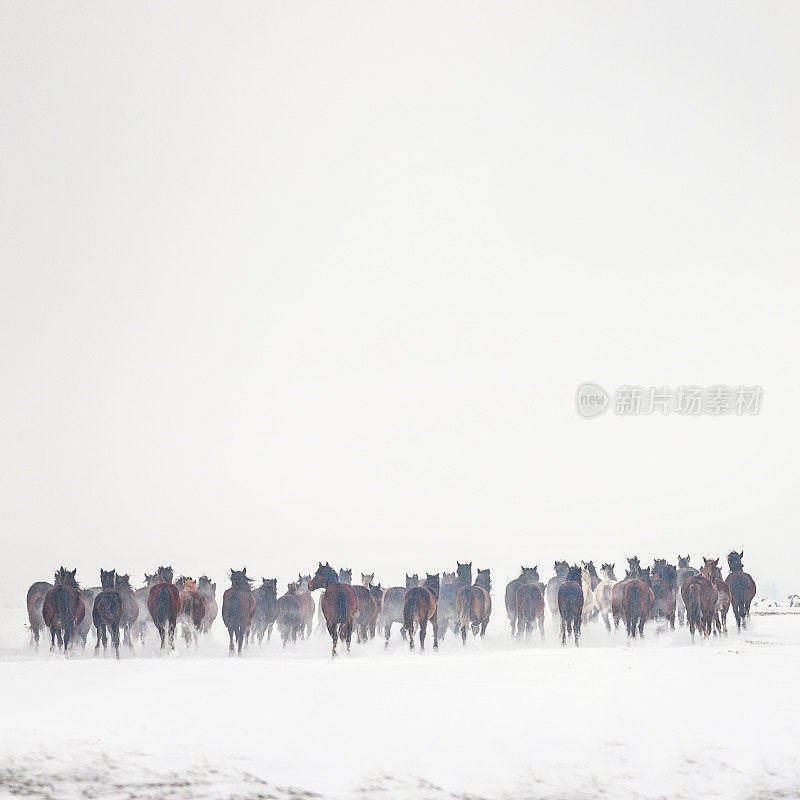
[238,608]
[420,608]
[663,582]
[527,575]
[637,604]
[339,604]
[266,610]
[107,612]
[700,600]
[367,614]
[570,604]
[684,571]
[192,613]
[743,589]
[474,605]
[34,602]
[163,604]
[529,610]
[290,616]
[633,572]
[130,608]
[394,599]
[209,591]
[307,605]
[710,570]
[63,609]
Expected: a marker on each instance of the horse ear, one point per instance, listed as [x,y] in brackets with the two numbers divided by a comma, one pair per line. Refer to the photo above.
[320,563]
[741,555]
[327,563]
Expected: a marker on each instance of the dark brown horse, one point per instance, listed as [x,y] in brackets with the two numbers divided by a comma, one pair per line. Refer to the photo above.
[663,583]
[394,599]
[130,608]
[192,613]
[633,572]
[163,604]
[637,604]
[339,604]
[710,570]
[238,608]
[290,616]
[527,575]
[530,609]
[570,605]
[700,600]
[419,608]
[474,605]
[107,612]
[743,589]
[367,614]
[684,571]
[34,602]
[266,609]
[209,591]
[63,609]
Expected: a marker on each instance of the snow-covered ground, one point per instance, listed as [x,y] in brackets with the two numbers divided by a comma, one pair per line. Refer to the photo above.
[651,719]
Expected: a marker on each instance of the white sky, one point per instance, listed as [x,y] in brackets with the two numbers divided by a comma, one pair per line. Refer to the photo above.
[284,282]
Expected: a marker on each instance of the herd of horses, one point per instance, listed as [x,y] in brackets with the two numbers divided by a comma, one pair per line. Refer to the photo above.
[575,595]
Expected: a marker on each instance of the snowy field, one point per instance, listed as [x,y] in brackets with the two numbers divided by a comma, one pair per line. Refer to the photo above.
[652,719]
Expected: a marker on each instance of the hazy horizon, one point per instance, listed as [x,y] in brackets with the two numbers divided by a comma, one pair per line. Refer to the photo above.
[287,283]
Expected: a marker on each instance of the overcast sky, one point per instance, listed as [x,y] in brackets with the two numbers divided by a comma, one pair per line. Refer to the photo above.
[283,282]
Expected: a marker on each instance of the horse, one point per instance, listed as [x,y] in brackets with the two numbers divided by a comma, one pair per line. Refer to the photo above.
[710,570]
[663,583]
[290,617]
[192,613]
[684,572]
[570,604]
[551,590]
[474,605]
[307,605]
[392,611]
[420,608]
[637,604]
[130,608]
[633,572]
[238,608]
[529,609]
[367,614]
[743,589]
[526,575]
[82,630]
[141,595]
[266,609]
[588,594]
[107,612]
[163,604]
[34,602]
[63,609]
[700,599]
[339,604]
[446,604]
[209,591]
[602,593]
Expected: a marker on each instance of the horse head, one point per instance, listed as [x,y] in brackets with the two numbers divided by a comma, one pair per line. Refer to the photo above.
[412,581]
[323,577]
[107,579]
[561,568]
[484,580]
[574,573]
[683,562]
[529,574]
[464,573]
[735,561]
[165,574]
[239,579]
[432,583]
[608,572]
[269,586]
[346,576]
[367,578]
[635,566]
[122,582]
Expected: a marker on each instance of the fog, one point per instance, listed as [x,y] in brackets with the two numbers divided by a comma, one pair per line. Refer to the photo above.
[283,283]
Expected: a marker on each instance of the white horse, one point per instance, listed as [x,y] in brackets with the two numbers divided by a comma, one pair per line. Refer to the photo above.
[588,594]
[602,593]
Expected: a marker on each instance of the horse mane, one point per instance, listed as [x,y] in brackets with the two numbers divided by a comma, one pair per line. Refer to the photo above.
[574,573]
[239,580]
[432,584]
[484,580]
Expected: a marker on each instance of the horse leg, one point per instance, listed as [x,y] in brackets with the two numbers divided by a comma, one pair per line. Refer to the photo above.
[642,620]
[577,629]
[435,626]
[464,635]
[269,631]
[423,629]
[348,634]
[563,632]
[334,635]
[97,637]
[115,640]
[60,638]
[230,643]
[387,631]
[483,627]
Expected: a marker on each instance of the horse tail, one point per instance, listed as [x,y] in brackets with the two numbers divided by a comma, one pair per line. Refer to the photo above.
[409,609]
[465,609]
[694,606]
[65,614]
[163,607]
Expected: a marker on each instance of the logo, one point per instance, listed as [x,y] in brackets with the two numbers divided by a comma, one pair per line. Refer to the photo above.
[591,400]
